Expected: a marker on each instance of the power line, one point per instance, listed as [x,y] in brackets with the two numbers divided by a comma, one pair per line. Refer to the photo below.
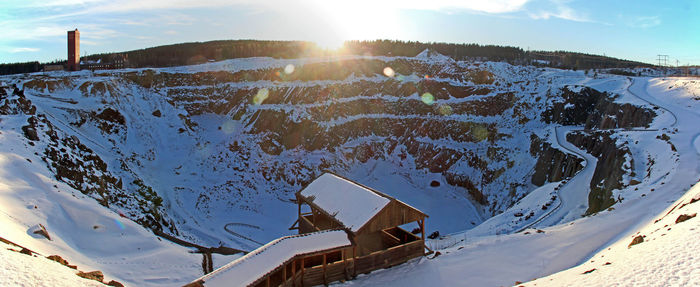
[662,60]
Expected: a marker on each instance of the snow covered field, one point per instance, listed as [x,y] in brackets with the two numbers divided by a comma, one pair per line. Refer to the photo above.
[491,253]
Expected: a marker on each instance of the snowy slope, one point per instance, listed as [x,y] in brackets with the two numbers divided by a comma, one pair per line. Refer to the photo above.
[213,153]
[666,257]
[82,231]
[472,258]
[26,270]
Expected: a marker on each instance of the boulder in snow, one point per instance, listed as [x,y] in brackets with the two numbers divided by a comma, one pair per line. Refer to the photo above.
[636,240]
[684,217]
[93,275]
[60,259]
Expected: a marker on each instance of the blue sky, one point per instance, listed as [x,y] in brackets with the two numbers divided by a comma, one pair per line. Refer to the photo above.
[630,29]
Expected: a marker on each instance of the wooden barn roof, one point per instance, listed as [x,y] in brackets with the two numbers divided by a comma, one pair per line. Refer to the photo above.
[248,269]
[352,204]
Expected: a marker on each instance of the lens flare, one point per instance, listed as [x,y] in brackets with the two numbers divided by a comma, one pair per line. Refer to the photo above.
[427,98]
[203,151]
[228,127]
[261,96]
[119,224]
[480,132]
[289,69]
[445,110]
[389,72]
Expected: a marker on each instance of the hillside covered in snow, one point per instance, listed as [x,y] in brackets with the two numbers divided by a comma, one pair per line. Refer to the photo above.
[536,170]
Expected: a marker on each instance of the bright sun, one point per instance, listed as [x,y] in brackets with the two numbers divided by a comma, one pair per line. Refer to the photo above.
[330,43]
[355,20]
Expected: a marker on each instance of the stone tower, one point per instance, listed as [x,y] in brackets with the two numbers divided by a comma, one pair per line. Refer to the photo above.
[73,50]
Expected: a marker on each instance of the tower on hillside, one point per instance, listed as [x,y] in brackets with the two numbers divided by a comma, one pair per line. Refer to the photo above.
[73,50]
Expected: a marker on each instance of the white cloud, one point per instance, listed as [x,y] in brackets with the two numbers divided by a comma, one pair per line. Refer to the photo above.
[55,3]
[492,6]
[645,21]
[559,9]
[16,31]
[24,50]
[102,6]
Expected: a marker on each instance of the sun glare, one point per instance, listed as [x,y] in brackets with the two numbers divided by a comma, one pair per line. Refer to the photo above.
[356,21]
[330,43]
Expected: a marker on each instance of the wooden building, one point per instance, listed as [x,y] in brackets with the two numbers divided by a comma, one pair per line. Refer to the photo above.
[51,68]
[373,218]
[117,61]
[345,229]
[299,260]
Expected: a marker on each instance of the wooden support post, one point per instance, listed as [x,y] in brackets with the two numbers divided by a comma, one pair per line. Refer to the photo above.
[313,216]
[345,262]
[422,229]
[354,261]
[324,269]
[267,282]
[294,273]
[302,271]
[284,275]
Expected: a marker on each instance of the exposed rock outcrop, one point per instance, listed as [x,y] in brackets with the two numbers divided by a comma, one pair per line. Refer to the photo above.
[596,110]
[684,217]
[552,164]
[92,275]
[610,169]
[637,239]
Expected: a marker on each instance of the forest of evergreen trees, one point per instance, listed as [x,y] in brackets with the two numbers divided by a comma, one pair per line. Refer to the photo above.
[456,51]
[19,68]
[200,52]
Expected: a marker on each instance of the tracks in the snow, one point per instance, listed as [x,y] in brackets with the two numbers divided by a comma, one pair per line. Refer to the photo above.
[228,225]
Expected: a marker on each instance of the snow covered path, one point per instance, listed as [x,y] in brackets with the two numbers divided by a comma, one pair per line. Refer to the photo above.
[573,194]
[639,90]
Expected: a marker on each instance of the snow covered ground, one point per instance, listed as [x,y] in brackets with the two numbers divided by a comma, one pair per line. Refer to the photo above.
[25,270]
[668,255]
[491,254]
[472,258]
[82,231]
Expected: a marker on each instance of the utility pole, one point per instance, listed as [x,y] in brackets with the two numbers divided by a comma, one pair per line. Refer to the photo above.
[662,60]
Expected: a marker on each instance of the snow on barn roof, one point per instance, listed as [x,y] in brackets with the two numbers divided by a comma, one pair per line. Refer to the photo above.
[351,204]
[256,264]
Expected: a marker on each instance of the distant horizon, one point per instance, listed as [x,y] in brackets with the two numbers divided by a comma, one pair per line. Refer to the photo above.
[331,50]
[35,30]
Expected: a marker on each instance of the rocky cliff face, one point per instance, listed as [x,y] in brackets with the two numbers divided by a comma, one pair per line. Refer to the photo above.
[552,164]
[610,169]
[596,110]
